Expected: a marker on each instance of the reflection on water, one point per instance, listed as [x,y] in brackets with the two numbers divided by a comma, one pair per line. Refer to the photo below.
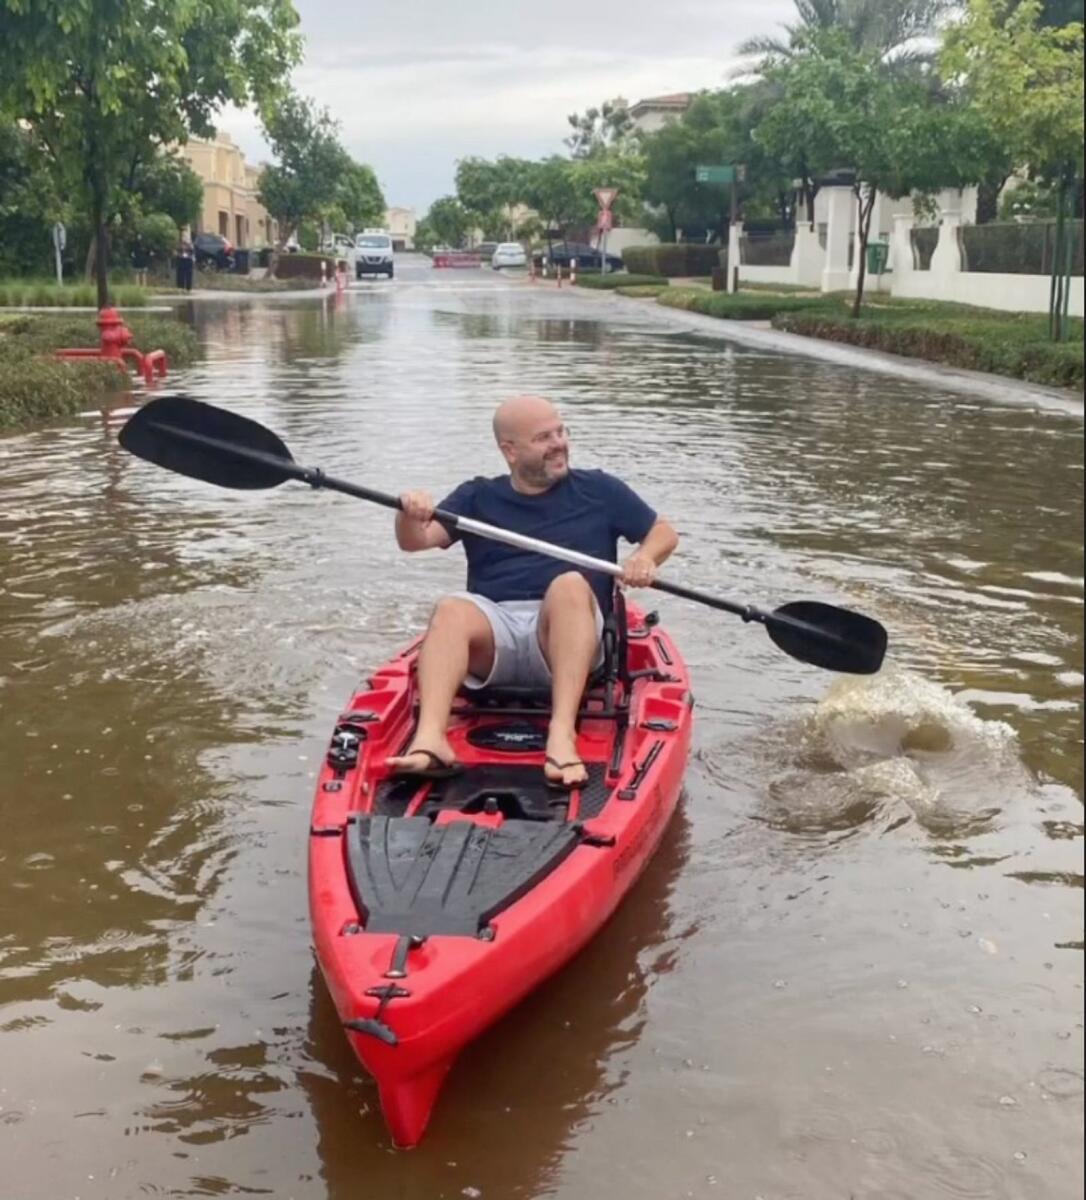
[862,936]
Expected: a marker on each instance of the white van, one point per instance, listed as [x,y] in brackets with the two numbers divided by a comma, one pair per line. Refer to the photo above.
[373,253]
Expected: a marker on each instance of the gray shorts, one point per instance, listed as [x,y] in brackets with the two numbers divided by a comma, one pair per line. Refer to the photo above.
[518,656]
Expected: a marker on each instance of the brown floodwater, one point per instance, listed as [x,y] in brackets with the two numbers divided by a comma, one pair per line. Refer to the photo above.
[854,969]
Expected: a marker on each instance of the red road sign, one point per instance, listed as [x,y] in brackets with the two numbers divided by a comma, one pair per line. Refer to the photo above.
[606,196]
[605,220]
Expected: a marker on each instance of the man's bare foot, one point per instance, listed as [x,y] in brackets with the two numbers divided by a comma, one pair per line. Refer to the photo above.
[436,759]
[563,766]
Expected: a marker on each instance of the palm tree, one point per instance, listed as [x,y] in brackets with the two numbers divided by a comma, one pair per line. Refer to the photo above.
[890,28]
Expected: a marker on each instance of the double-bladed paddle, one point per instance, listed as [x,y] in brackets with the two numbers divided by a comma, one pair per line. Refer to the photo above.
[209,443]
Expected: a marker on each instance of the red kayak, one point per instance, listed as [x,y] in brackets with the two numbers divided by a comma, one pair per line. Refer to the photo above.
[438,904]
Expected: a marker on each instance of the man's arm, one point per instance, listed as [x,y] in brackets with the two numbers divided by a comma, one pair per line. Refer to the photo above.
[639,570]
[416,528]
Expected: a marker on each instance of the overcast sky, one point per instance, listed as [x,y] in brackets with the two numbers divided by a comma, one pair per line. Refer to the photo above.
[418,84]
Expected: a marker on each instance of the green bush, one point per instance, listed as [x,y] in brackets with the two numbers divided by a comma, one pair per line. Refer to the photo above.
[647,291]
[158,233]
[304,266]
[35,388]
[976,339]
[672,259]
[739,306]
[617,280]
[40,293]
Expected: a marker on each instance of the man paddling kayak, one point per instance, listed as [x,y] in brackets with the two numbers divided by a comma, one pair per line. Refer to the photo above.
[525,619]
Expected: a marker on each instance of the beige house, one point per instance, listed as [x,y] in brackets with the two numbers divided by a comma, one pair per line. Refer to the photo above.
[231,207]
[655,112]
[402,225]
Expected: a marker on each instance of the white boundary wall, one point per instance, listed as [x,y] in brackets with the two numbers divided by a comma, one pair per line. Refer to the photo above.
[828,268]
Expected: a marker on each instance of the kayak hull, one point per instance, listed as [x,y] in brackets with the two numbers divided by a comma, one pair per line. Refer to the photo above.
[437,905]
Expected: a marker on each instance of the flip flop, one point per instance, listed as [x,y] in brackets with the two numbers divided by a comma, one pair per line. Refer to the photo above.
[438,769]
[560,785]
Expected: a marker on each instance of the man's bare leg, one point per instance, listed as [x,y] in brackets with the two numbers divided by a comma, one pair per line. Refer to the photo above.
[570,644]
[458,642]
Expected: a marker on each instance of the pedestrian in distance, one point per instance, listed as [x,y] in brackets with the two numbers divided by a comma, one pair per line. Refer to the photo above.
[184,259]
[141,261]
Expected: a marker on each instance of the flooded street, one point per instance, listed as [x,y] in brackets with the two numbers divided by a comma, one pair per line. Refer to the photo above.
[852,972]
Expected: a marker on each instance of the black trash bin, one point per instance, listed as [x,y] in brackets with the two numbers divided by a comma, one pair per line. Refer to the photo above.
[241,262]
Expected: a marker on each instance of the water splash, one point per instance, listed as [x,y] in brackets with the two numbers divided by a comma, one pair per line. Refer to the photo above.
[892,746]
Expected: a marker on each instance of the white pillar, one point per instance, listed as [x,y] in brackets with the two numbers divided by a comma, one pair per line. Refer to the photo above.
[735,232]
[808,257]
[901,255]
[946,262]
[841,204]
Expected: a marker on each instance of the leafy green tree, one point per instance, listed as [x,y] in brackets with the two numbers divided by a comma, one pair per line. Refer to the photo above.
[105,84]
[1024,80]
[157,232]
[600,130]
[561,190]
[359,201]
[167,184]
[29,203]
[490,190]
[889,130]
[449,222]
[304,183]
[425,235]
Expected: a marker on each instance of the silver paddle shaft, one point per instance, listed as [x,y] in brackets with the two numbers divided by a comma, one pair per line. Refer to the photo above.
[523,542]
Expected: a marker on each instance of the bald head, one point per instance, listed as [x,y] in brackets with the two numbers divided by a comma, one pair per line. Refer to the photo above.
[519,415]
[534,442]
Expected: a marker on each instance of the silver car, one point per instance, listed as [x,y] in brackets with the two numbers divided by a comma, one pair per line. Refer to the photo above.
[509,254]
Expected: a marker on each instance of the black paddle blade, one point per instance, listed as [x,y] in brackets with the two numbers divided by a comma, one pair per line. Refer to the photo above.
[208,443]
[829,637]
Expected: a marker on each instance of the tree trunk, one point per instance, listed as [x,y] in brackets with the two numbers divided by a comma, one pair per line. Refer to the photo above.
[101,239]
[988,197]
[867,210]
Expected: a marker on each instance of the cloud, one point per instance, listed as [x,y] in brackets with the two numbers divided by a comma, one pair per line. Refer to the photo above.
[418,84]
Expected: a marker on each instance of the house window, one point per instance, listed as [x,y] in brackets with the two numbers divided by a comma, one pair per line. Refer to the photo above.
[224,223]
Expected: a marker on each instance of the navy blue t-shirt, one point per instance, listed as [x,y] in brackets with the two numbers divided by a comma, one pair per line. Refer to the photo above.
[586,511]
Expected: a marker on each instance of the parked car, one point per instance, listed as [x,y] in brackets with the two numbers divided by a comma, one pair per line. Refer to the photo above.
[213,252]
[486,249]
[508,254]
[561,254]
[373,254]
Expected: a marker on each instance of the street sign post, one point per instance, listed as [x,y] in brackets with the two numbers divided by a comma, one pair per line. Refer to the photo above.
[60,240]
[726,173]
[606,197]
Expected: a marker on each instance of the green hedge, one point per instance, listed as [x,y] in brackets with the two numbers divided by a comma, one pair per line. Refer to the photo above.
[620,279]
[1012,344]
[304,266]
[738,306]
[15,293]
[647,291]
[36,388]
[673,259]
[41,334]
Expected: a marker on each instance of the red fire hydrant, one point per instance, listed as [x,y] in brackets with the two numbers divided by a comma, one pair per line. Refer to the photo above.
[114,337]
